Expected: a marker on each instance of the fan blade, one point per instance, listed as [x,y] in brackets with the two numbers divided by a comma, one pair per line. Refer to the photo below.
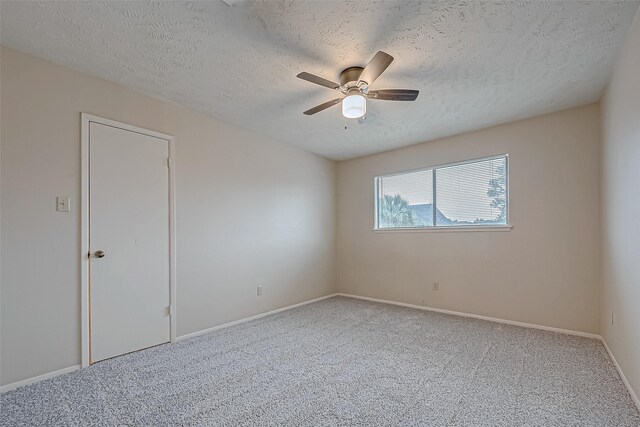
[394,94]
[375,67]
[324,106]
[318,80]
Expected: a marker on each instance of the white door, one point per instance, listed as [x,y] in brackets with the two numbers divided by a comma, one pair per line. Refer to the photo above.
[128,241]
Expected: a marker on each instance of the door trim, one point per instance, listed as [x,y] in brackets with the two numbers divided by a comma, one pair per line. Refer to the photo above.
[86,120]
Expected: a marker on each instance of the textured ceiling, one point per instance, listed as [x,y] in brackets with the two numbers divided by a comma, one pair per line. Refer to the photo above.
[475,63]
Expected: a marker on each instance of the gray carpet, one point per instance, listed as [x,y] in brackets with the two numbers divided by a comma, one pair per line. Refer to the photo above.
[342,362]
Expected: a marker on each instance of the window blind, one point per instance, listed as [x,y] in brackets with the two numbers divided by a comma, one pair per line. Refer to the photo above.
[472,193]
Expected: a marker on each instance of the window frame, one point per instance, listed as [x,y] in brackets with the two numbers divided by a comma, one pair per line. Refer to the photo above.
[436,228]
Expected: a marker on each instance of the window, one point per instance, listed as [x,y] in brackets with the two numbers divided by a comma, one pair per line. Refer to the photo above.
[467,194]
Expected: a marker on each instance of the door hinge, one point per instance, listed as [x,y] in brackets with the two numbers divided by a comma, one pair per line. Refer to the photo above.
[168,162]
[169,311]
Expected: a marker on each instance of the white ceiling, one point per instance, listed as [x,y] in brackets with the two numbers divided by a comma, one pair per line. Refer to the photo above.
[475,63]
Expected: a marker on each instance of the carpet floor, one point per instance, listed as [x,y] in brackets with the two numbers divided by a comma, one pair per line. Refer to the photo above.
[342,362]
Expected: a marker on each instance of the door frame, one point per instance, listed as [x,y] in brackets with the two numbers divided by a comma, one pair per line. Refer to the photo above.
[86,120]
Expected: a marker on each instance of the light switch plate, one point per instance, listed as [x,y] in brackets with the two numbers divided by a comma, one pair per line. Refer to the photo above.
[62,203]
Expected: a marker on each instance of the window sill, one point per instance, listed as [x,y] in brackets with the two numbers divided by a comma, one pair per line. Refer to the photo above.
[468,228]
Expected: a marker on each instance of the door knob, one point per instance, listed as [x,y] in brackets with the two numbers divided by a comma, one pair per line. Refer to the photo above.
[99,254]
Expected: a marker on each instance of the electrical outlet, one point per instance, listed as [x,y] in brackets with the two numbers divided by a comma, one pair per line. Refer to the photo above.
[435,286]
[259,290]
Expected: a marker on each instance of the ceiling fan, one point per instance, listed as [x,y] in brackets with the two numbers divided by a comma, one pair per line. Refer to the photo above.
[354,85]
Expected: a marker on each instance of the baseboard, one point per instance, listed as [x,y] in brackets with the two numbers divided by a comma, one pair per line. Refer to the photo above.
[477,316]
[42,377]
[632,393]
[248,319]
[48,375]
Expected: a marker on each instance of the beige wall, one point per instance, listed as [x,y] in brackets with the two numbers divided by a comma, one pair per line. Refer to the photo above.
[621,210]
[545,271]
[249,211]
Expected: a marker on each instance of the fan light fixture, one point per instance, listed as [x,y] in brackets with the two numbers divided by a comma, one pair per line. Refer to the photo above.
[354,106]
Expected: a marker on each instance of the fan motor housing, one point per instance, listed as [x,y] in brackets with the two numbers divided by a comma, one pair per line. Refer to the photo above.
[349,77]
